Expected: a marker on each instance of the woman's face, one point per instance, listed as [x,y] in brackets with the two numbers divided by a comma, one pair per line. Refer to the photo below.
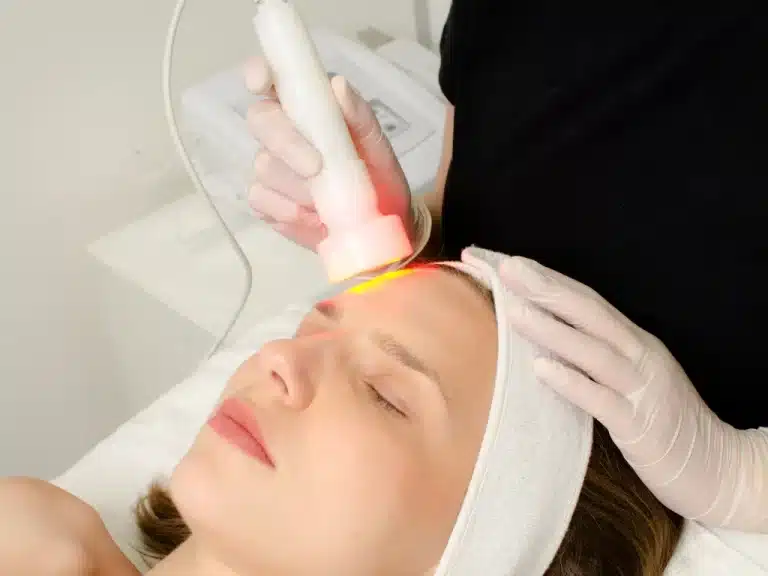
[372,416]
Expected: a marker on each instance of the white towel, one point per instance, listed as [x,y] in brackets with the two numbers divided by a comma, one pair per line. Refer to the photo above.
[531,464]
[705,552]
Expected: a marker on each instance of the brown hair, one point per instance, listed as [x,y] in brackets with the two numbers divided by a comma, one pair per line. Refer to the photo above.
[618,527]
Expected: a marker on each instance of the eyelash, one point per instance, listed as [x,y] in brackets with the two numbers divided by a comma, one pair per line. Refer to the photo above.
[377,397]
[386,404]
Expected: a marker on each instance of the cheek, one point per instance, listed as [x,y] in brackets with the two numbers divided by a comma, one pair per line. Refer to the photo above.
[235,508]
[369,483]
[244,376]
[208,484]
[359,465]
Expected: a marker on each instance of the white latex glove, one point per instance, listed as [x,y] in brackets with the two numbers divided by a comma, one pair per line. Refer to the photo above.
[694,463]
[286,162]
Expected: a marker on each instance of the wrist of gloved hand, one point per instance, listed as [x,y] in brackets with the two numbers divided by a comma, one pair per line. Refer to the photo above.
[419,226]
[742,495]
[707,471]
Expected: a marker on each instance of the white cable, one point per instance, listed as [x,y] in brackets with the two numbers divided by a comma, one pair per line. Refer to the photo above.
[167,68]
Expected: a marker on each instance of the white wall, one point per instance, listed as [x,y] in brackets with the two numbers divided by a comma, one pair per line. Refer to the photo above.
[438,12]
[84,149]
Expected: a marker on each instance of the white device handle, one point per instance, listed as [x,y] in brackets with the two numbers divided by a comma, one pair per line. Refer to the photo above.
[343,193]
[359,237]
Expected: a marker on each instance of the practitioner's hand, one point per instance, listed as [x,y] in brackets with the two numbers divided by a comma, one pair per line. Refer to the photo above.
[45,531]
[695,464]
[287,162]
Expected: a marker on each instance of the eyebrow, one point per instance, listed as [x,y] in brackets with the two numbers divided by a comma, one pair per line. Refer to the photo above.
[387,343]
[404,356]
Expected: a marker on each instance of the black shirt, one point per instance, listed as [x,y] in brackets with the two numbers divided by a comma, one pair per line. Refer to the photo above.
[624,144]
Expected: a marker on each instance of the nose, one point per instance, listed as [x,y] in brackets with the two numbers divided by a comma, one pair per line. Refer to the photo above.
[288,373]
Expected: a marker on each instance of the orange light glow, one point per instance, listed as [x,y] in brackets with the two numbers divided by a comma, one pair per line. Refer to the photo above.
[379,280]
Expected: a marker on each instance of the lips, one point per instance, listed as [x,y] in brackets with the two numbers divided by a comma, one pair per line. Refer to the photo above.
[234,422]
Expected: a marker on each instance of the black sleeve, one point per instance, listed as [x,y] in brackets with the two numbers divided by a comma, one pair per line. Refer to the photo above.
[447,74]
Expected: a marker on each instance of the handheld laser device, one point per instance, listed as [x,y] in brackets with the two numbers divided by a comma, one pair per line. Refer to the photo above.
[360,239]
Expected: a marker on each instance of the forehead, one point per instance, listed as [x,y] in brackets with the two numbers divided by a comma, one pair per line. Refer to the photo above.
[440,316]
[425,291]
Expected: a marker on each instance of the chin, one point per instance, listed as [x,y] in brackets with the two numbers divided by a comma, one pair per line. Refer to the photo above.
[195,486]
[206,483]
[213,486]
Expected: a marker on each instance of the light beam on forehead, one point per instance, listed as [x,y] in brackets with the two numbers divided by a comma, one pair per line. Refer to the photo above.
[378,281]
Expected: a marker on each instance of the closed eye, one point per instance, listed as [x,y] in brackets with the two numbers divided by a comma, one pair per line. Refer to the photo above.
[384,403]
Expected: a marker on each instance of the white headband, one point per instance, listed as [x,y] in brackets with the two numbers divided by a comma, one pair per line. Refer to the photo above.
[531,465]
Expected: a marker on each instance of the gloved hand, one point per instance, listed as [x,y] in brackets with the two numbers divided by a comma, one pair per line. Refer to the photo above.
[694,463]
[286,162]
